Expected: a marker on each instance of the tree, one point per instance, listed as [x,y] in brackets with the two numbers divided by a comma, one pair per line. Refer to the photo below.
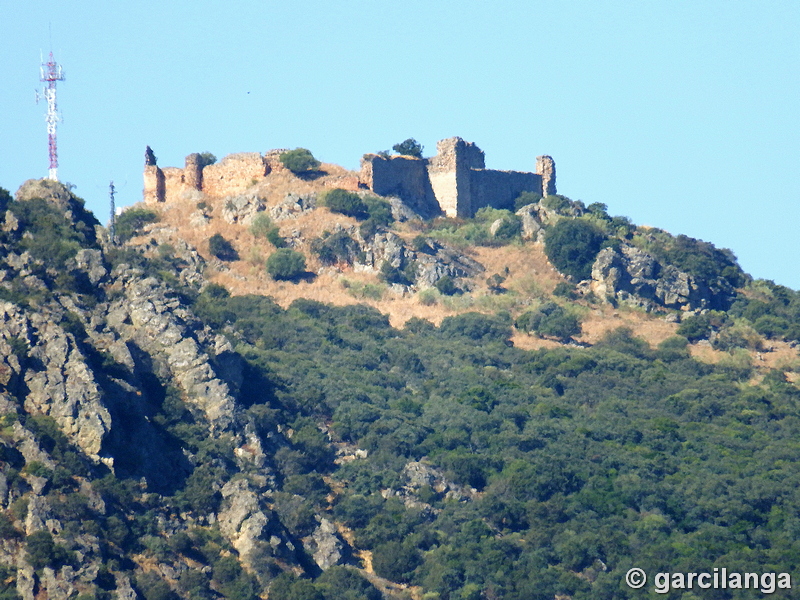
[572,245]
[550,320]
[410,147]
[222,248]
[346,203]
[206,158]
[131,222]
[286,264]
[299,161]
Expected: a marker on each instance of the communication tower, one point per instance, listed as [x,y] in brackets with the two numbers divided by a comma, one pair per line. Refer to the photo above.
[51,73]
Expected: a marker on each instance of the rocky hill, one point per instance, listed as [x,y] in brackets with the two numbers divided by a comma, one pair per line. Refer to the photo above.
[516,405]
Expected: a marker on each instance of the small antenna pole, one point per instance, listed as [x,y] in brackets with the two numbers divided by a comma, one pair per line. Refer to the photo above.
[51,73]
[112,225]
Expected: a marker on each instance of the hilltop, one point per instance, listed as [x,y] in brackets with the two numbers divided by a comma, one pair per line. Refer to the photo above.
[282,383]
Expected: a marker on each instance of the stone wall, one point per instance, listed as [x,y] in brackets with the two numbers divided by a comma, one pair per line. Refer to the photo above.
[499,189]
[234,174]
[546,169]
[455,181]
[154,190]
[401,176]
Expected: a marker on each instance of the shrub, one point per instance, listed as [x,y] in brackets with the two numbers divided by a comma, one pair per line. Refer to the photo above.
[509,228]
[222,248]
[346,203]
[446,286]
[526,198]
[299,161]
[206,158]
[286,264]
[336,248]
[132,221]
[695,327]
[409,147]
[550,320]
[556,203]
[42,551]
[572,245]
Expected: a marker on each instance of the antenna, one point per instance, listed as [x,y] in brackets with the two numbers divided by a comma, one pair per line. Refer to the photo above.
[112,234]
[51,73]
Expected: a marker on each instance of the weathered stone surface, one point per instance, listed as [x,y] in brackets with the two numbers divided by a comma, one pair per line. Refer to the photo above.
[325,546]
[161,326]
[242,519]
[91,261]
[242,208]
[531,226]
[632,276]
[292,206]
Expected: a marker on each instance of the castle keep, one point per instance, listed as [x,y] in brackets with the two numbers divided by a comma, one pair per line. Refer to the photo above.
[455,182]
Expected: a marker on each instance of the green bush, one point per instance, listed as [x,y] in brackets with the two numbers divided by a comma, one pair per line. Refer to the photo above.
[409,147]
[346,203]
[509,228]
[222,248]
[526,198]
[550,320]
[572,245]
[336,248]
[695,327]
[206,158]
[42,551]
[446,286]
[299,161]
[131,222]
[286,264]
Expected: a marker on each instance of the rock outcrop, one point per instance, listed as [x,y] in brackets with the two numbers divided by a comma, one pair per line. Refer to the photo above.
[631,276]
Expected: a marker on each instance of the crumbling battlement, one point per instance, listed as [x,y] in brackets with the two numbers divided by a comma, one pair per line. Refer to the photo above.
[455,181]
[232,175]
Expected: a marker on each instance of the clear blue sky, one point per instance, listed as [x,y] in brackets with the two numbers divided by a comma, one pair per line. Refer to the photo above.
[679,114]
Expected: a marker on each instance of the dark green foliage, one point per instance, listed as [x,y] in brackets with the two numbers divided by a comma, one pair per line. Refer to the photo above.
[346,203]
[550,320]
[263,227]
[336,248]
[153,587]
[206,158]
[391,274]
[409,147]
[8,583]
[286,264]
[526,198]
[49,235]
[341,583]
[299,161]
[287,586]
[695,327]
[572,245]
[42,551]
[131,222]
[447,286]
[557,203]
[565,290]
[221,248]
[476,326]
[510,228]
[7,529]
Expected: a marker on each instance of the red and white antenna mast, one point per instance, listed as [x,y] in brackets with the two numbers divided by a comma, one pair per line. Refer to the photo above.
[51,73]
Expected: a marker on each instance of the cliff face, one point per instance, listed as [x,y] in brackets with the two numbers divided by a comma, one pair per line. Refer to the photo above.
[118,405]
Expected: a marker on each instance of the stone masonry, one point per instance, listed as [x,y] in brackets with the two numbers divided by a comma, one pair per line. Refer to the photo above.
[455,182]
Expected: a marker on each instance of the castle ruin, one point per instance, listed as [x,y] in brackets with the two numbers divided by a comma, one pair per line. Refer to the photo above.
[455,182]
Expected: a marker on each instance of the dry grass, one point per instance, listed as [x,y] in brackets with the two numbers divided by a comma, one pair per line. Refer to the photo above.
[529,276]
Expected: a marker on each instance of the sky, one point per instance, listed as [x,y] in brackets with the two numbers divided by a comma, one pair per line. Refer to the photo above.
[681,115]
